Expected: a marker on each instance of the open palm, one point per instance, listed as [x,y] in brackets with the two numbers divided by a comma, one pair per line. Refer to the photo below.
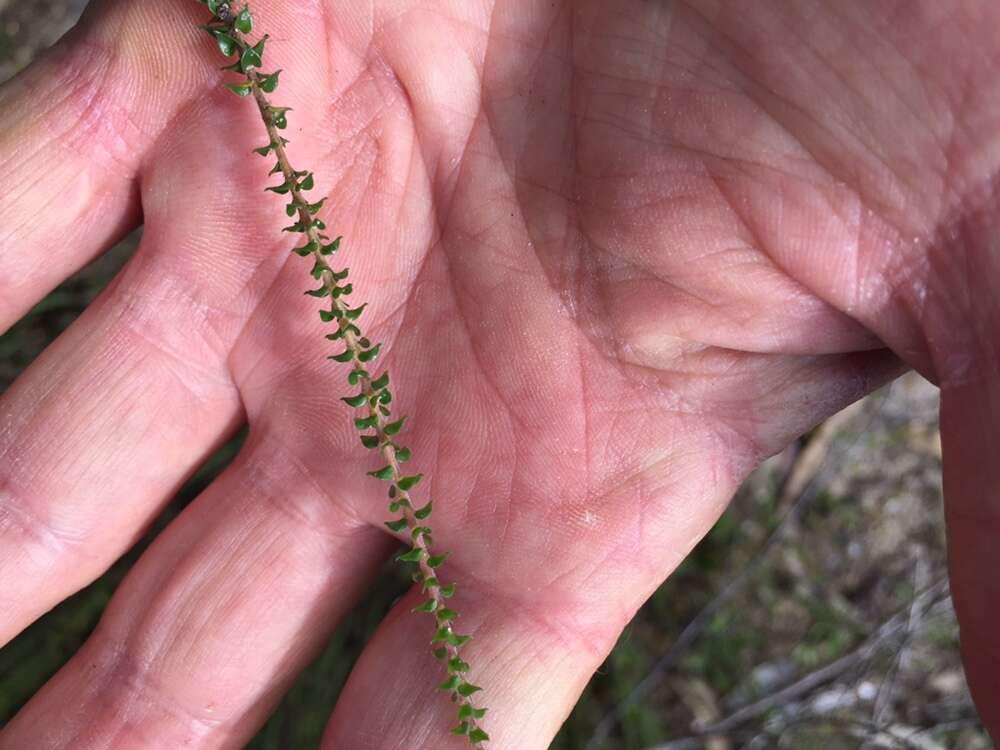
[617,253]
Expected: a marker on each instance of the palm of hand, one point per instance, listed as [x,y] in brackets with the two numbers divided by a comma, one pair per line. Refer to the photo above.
[615,257]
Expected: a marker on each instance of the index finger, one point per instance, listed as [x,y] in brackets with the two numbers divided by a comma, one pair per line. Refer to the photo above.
[74,129]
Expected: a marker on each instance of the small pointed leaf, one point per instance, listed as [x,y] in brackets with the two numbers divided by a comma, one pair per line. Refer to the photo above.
[407,483]
[240,89]
[467,689]
[385,473]
[446,615]
[269,83]
[478,735]
[244,21]
[346,356]
[414,555]
[394,427]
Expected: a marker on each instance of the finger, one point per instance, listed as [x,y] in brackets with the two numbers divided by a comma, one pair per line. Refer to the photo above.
[104,427]
[75,129]
[533,665]
[970,431]
[216,618]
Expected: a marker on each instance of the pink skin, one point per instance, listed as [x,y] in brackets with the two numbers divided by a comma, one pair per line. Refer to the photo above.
[617,253]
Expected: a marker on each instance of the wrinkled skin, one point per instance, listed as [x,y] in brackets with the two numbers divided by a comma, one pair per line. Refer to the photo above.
[617,252]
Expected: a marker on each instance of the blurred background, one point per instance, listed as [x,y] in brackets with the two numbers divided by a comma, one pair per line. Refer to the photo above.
[815,614]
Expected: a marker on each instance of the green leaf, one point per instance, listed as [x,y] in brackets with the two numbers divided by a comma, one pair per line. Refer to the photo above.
[446,615]
[452,683]
[396,526]
[478,735]
[213,6]
[371,441]
[306,249]
[227,45]
[264,150]
[332,247]
[357,402]
[440,653]
[407,483]
[381,381]
[466,712]
[318,268]
[240,89]
[281,189]
[462,729]
[394,507]
[296,227]
[429,582]
[414,555]
[315,207]
[346,356]
[419,531]
[366,423]
[355,313]
[466,689]
[457,665]
[394,427]
[251,57]
[291,209]
[437,560]
[385,396]
[424,512]
[355,375]
[343,291]
[340,275]
[323,291]
[428,606]
[307,181]
[244,21]
[370,354]
[270,82]
[278,117]
[458,640]
[448,591]
[385,473]
[327,315]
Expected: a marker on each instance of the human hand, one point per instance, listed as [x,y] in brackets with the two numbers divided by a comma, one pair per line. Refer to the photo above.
[617,253]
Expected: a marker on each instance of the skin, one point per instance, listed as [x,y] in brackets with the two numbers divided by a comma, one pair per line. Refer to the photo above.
[618,253]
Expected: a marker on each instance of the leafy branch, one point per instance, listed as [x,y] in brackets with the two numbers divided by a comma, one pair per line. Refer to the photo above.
[378,430]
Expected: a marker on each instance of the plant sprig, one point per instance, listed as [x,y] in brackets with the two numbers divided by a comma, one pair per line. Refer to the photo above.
[378,430]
